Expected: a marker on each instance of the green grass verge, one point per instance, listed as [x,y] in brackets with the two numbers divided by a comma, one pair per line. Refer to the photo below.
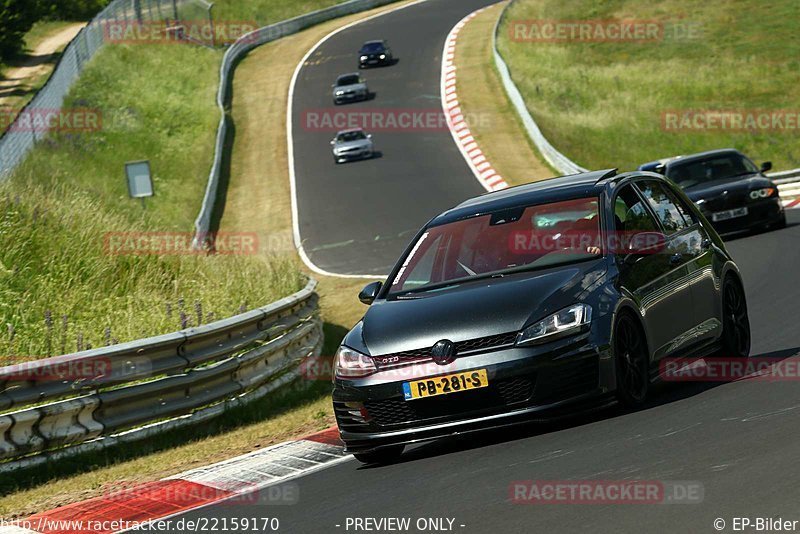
[60,288]
[601,103]
[266,11]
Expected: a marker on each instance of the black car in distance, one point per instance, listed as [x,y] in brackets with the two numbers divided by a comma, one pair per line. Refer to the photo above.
[375,53]
[522,302]
[730,190]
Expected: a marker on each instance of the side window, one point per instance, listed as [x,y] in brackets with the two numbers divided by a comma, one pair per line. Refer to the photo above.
[630,213]
[664,204]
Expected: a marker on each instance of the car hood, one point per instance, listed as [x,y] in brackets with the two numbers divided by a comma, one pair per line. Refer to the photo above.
[361,143]
[352,87]
[718,188]
[472,310]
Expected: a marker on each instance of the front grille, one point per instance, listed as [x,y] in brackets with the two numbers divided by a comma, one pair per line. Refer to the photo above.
[481,344]
[495,397]
[725,202]
[569,380]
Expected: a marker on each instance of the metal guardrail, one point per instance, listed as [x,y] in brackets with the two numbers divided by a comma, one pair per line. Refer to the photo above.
[785,177]
[17,141]
[98,397]
[556,159]
[236,51]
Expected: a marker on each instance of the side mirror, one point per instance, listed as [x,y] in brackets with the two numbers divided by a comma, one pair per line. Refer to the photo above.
[370,293]
[767,165]
[643,243]
[369,136]
[333,142]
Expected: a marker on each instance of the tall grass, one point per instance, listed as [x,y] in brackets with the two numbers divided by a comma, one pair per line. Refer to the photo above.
[601,103]
[60,289]
[266,12]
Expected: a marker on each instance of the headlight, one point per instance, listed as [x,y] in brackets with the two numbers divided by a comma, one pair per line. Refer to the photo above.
[352,364]
[762,193]
[565,322]
[339,93]
[383,56]
[364,58]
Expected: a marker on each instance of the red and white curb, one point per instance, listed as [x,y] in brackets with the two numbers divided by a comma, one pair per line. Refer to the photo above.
[237,480]
[481,167]
[791,203]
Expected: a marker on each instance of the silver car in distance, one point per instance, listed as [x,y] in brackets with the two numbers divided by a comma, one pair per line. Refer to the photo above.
[350,88]
[352,144]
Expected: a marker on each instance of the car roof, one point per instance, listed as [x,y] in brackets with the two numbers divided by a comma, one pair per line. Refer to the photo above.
[691,157]
[376,41]
[561,188]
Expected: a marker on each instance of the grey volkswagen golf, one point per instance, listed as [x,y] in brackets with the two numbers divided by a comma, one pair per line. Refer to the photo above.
[531,301]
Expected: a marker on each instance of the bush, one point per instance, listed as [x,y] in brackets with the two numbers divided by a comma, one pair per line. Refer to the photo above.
[71,9]
[16,18]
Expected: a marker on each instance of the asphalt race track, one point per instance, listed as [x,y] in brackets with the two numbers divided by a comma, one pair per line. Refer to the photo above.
[739,440]
[357,218]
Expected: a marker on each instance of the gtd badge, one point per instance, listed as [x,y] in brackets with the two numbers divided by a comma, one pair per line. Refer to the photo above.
[443,352]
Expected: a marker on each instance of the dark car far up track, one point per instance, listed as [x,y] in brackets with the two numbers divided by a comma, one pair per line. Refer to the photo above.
[518,303]
[375,53]
[728,188]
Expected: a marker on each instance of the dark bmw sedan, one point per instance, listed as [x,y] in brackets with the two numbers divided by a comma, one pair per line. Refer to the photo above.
[729,189]
[527,302]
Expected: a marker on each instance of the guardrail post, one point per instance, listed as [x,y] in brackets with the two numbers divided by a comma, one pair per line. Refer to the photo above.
[137,9]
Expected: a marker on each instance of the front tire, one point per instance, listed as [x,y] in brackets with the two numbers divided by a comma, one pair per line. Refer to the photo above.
[735,321]
[632,362]
[385,455]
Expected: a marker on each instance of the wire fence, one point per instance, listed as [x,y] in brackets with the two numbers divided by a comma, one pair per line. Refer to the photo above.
[119,15]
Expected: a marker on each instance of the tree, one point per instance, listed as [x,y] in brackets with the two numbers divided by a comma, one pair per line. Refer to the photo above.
[16,18]
[71,9]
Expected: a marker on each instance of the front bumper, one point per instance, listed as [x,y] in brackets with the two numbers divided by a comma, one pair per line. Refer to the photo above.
[374,62]
[524,384]
[349,97]
[356,155]
[760,214]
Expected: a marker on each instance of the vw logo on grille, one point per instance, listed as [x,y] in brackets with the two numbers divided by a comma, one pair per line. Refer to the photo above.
[443,352]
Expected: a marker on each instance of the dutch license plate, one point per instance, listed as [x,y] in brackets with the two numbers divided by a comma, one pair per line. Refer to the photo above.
[729,214]
[444,385]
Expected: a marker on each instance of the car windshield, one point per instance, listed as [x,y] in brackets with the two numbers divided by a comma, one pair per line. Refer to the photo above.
[521,238]
[370,48]
[350,79]
[351,136]
[718,167]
